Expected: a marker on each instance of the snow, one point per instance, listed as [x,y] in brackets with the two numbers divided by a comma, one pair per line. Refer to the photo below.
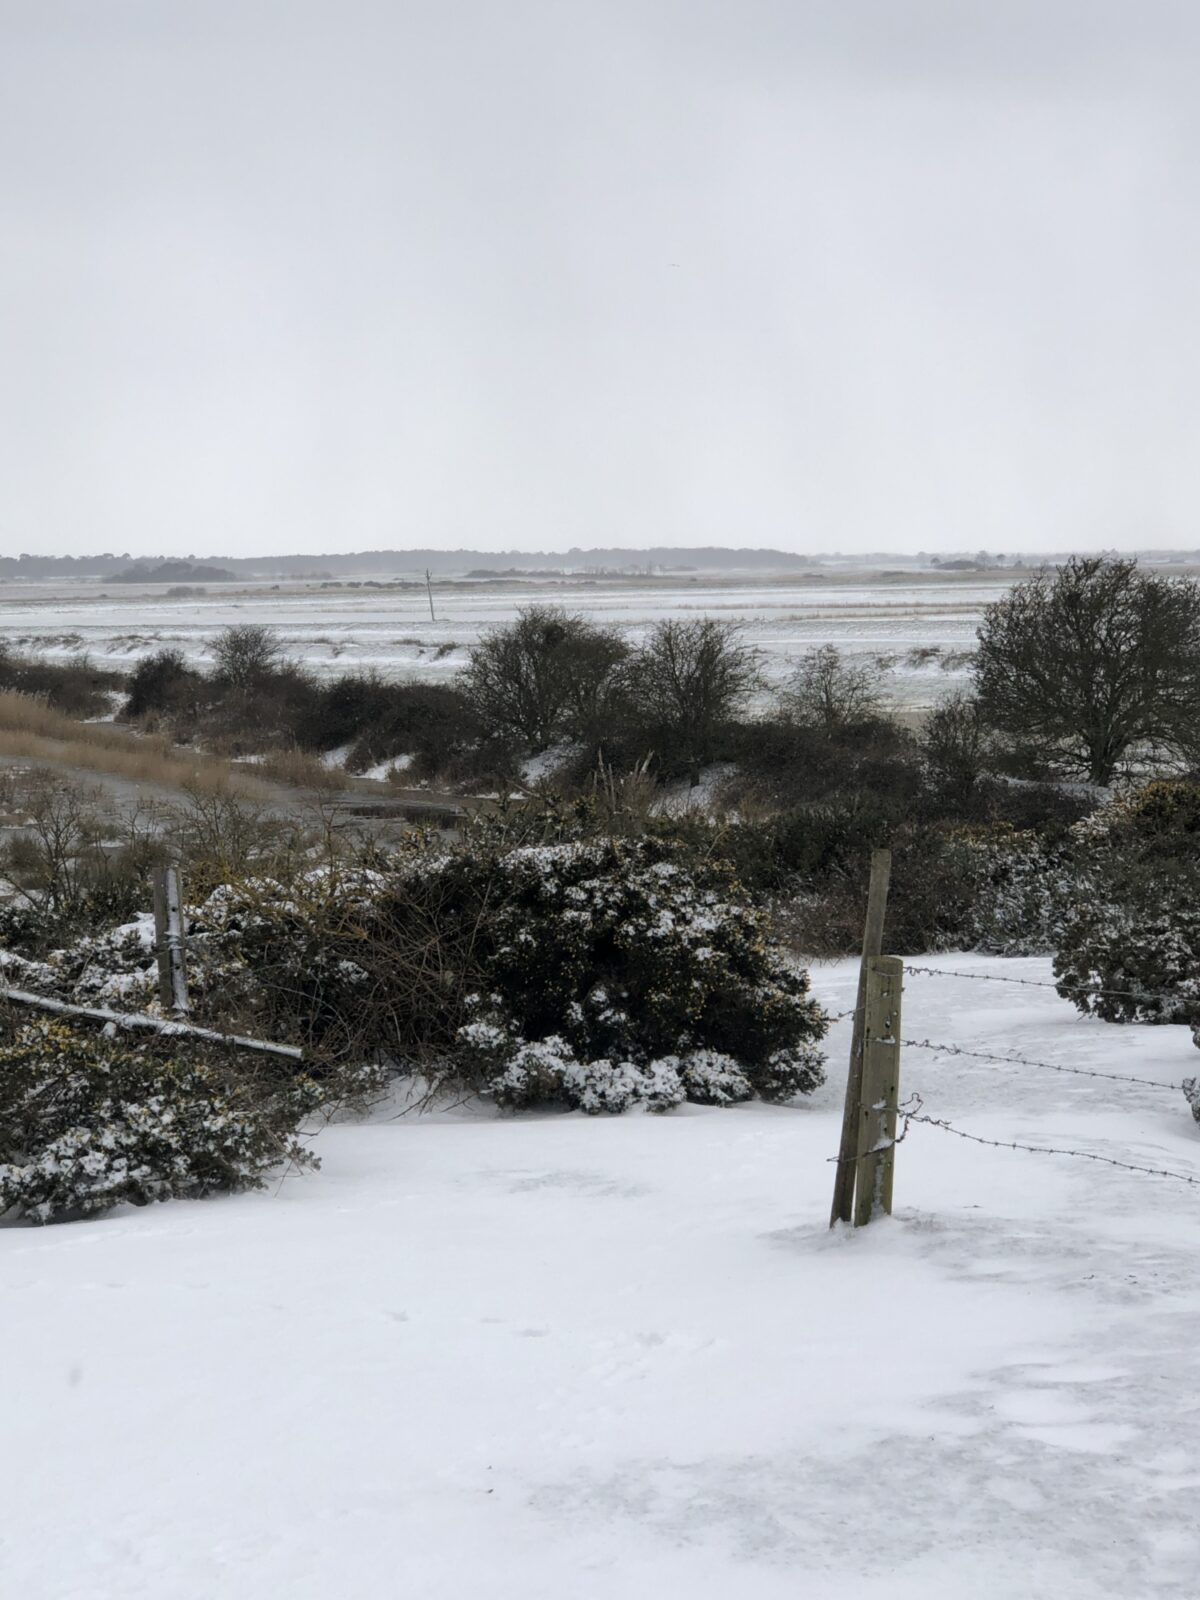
[383,770]
[347,629]
[684,795]
[565,1358]
[545,763]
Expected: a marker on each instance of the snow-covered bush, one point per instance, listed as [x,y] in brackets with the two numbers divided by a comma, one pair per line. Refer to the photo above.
[615,974]
[1020,888]
[87,1122]
[593,972]
[1191,1088]
[1132,927]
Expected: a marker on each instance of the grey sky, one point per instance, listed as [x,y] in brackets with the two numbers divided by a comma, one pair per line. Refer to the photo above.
[340,274]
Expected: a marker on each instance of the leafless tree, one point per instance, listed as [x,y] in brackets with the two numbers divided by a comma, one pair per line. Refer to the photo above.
[543,676]
[1093,664]
[245,654]
[688,680]
[829,692]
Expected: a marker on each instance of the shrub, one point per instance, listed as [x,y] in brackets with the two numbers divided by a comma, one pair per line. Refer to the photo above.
[432,722]
[826,691]
[789,766]
[70,870]
[246,653]
[163,682]
[590,972]
[633,978]
[1020,890]
[929,902]
[88,1122]
[954,744]
[1132,926]
[75,687]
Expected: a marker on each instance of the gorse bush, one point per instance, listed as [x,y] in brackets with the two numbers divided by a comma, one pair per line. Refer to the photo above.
[164,682]
[614,958]
[88,1122]
[1021,888]
[615,974]
[1132,925]
[636,967]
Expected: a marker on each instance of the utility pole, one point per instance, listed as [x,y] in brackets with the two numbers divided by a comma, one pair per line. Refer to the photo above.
[429,592]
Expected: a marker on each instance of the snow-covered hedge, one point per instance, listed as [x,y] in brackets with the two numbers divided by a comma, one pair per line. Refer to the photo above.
[1132,928]
[588,972]
[87,1122]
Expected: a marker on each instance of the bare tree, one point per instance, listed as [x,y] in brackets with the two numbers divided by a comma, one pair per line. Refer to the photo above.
[1092,663]
[63,825]
[544,676]
[245,654]
[688,680]
[828,692]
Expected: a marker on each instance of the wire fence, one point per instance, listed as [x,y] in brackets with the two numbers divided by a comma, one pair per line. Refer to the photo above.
[1048,1066]
[1162,997]
[912,1112]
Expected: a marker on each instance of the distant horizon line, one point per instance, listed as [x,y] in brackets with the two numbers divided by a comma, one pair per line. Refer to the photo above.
[657,554]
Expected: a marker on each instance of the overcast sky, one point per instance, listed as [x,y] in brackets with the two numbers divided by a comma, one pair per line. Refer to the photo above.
[286,275]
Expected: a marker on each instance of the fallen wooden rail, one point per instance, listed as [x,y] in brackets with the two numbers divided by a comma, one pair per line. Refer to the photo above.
[161,1025]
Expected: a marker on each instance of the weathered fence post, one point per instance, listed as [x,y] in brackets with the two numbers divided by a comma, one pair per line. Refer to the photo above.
[843,1183]
[170,940]
[880,1092]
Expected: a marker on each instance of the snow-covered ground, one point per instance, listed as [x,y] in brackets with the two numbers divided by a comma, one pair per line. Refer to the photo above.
[336,630]
[556,1358]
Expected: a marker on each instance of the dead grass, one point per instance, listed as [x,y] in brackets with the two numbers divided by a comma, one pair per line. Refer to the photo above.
[31,730]
[299,770]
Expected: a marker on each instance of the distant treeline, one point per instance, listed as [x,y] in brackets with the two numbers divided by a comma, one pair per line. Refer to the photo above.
[173,572]
[440,562]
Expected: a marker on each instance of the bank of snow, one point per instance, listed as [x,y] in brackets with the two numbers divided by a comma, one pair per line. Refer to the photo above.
[604,1359]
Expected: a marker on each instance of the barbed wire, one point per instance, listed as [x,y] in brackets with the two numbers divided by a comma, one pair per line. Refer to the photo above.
[1050,1066]
[911,1112]
[1042,983]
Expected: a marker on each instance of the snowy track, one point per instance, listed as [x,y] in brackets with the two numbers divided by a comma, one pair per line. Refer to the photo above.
[611,1359]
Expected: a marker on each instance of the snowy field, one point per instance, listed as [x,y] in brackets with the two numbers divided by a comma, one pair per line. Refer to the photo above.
[554,1358]
[390,628]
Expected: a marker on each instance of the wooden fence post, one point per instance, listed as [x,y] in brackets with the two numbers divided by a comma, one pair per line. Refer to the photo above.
[880,1089]
[843,1182]
[170,940]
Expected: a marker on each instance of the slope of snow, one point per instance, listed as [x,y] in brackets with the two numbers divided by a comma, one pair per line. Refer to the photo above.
[567,1359]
